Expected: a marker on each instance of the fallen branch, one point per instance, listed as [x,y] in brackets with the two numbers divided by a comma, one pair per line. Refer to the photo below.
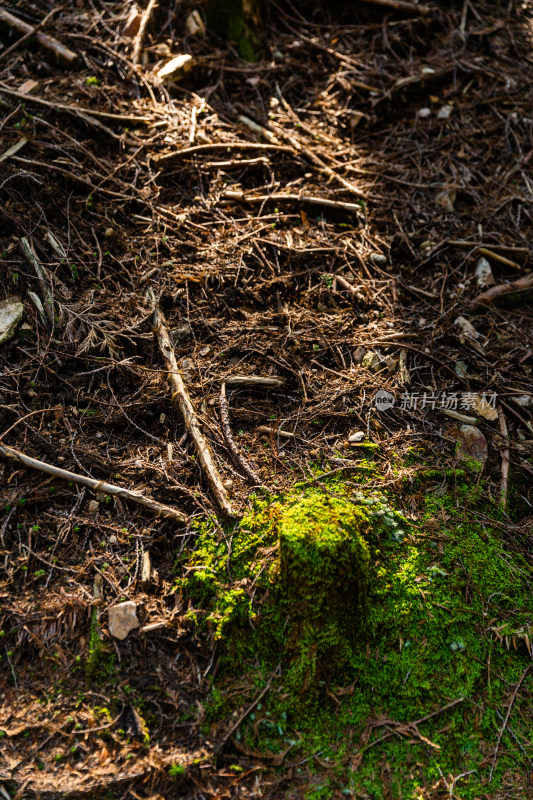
[503,290]
[137,44]
[255,380]
[13,150]
[497,257]
[78,110]
[180,396]
[505,458]
[401,5]
[92,483]
[203,148]
[47,42]
[239,459]
[281,197]
[29,254]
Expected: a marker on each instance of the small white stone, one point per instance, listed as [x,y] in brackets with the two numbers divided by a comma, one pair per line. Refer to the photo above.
[484,276]
[93,507]
[445,112]
[122,619]
[424,113]
[113,539]
[356,437]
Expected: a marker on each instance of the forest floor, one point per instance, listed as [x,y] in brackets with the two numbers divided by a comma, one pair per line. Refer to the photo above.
[318,216]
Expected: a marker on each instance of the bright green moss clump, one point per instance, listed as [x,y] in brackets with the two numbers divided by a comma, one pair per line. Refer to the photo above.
[323,583]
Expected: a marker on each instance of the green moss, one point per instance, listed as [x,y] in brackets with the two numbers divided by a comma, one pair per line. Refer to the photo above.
[100,662]
[442,611]
[323,585]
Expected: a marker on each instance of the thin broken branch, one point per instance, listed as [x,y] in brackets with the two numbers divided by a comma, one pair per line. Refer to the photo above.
[180,397]
[98,486]
[78,110]
[281,197]
[137,44]
[47,42]
[503,290]
[239,459]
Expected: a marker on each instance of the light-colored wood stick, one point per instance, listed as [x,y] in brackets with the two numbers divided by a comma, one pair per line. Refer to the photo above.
[180,397]
[225,146]
[27,35]
[280,197]
[258,381]
[497,257]
[92,483]
[137,44]
[47,42]
[79,111]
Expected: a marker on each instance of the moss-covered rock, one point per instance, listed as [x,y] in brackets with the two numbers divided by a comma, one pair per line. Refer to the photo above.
[324,562]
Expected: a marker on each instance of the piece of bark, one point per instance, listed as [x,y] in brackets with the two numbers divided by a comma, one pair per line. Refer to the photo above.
[61,52]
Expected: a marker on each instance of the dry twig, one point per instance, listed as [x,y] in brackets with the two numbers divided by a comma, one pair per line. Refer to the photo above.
[239,459]
[98,486]
[47,42]
[137,44]
[180,396]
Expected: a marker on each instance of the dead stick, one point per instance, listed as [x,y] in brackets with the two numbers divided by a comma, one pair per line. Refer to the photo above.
[147,13]
[48,42]
[505,458]
[260,381]
[203,148]
[239,459]
[180,396]
[27,35]
[400,5]
[281,197]
[497,257]
[502,290]
[92,483]
[506,720]
[79,111]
